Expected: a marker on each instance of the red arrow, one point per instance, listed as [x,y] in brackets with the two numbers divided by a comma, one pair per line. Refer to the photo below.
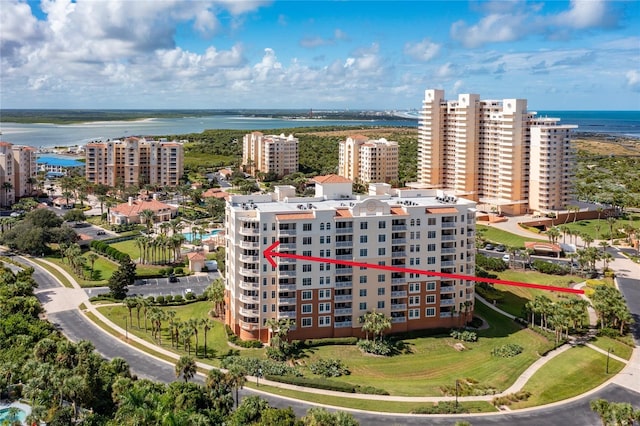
[269,254]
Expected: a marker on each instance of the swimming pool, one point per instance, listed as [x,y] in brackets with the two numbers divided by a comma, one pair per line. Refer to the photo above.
[189,236]
[5,416]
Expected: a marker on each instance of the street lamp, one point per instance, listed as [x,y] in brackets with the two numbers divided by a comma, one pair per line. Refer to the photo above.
[457,386]
[126,329]
[609,350]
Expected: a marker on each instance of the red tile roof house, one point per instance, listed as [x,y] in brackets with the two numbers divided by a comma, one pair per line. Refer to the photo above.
[129,212]
[215,193]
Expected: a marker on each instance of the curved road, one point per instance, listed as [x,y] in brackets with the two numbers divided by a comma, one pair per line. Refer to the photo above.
[76,327]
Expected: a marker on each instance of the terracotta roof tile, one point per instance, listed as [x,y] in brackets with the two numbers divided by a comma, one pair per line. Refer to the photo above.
[138,206]
[331,179]
[399,211]
[343,213]
[295,216]
[442,210]
[196,255]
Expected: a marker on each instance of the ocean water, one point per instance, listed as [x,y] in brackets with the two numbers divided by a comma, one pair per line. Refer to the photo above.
[616,123]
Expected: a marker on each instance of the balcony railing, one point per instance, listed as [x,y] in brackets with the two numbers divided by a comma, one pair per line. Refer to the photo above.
[249,244]
[343,311]
[249,286]
[399,307]
[399,293]
[287,231]
[398,319]
[344,243]
[247,258]
[398,280]
[448,224]
[249,326]
[287,301]
[447,289]
[448,263]
[343,324]
[288,314]
[344,257]
[448,238]
[287,246]
[344,284]
[288,287]
[344,230]
[447,302]
[399,228]
[252,313]
[343,298]
[398,241]
[248,231]
[249,272]
[344,271]
[249,299]
[292,273]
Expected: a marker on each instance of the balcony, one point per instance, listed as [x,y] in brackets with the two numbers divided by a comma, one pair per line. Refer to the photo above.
[249,326]
[401,280]
[286,261]
[448,224]
[287,301]
[344,284]
[343,298]
[399,227]
[287,273]
[286,232]
[398,241]
[448,237]
[248,231]
[447,250]
[249,272]
[248,286]
[344,230]
[398,319]
[446,314]
[287,246]
[447,263]
[447,289]
[287,287]
[399,307]
[249,259]
[249,244]
[249,299]
[400,293]
[251,313]
[343,324]
[343,311]
[344,271]
[287,314]
[447,302]
[344,257]
[399,254]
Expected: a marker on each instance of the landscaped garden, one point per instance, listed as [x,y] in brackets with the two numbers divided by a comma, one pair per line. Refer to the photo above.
[495,235]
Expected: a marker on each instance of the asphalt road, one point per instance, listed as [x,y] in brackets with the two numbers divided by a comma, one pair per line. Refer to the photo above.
[630,289]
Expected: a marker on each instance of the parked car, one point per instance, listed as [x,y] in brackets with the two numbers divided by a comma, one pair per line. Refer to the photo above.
[506,258]
[100,233]
[488,247]
[173,279]
[500,248]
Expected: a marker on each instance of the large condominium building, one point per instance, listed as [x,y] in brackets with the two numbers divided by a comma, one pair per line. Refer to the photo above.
[419,229]
[134,161]
[18,170]
[368,161]
[494,152]
[269,154]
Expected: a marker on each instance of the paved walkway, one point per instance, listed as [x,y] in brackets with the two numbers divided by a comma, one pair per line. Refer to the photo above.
[66,299]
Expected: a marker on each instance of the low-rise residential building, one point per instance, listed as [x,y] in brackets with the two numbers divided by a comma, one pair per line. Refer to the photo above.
[130,212]
[415,229]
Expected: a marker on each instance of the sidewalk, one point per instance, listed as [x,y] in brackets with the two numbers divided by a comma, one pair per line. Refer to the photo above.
[77,294]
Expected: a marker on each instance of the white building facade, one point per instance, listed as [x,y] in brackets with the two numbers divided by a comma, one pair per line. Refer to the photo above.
[414,229]
[368,160]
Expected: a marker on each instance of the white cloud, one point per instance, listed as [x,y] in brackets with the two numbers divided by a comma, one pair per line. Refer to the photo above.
[491,29]
[312,42]
[422,51]
[633,80]
[587,14]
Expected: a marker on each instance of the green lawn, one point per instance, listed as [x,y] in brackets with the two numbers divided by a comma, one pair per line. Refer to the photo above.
[618,348]
[499,236]
[102,270]
[569,374]
[512,299]
[129,247]
[589,227]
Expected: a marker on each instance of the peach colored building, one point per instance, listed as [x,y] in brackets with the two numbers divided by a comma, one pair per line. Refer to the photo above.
[17,168]
[129,212]
[134,161]
[403,228]
[368,160]
[269,154]
[493,152]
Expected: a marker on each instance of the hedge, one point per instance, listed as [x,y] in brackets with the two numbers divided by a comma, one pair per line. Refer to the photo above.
[316,383]
[109,251]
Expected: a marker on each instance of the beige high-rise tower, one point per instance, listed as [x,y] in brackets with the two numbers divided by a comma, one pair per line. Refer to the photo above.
[483,150]
[270,154]
[17,169]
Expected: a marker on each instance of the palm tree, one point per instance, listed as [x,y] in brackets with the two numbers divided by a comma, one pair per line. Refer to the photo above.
[207,325]
[553,233]
[130,303]
[92,259]
[186,367]
[7,186]
[215,293]
[236,377]
[147,216]
[194,324]
[376,323]
[611,221]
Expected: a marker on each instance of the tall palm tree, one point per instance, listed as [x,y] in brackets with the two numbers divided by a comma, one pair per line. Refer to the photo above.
[147,216]
[611,221]
[237,379]
[92,259]
[186,367]
[7,186]
[207,325]
[194,324]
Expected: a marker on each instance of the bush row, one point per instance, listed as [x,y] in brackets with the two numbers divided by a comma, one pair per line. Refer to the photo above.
[490,263]
[376,347]
[468,387]
[507,351]
[109,251]
[316,383]
[548,268]
[465,336]
[511,398]
[249,344]
[445,407]
[329,368]
[252,366]
[331,341]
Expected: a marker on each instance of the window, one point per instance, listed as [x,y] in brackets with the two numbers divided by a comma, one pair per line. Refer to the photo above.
[321,280]
[324,321]
[363,306]
[431,285]
[431,234]
[413,222]
[431,221]
[328,239]
[430,312]
[414,287]
[431,299]
[322,226]
[324,294]
[273,307]
[380,291]
[306,227]
[322,266]
[324,307]
[380,304]
[431,260]
[306,322]
[381,278]
[363,239]
[306,295]
[363,279]
[431,247]
[307,253]
[418,222]
[382,238]
[322,239]
[363,292]
[417,235]
[363,252]
[328,253]
[273,294]
[327,280]
[414,300]
[306,281]
[328,226]
[306,268]
[321,253]
[364,225]
[307,308]
[306,241]
[382,224]
[381,251]
[414,313]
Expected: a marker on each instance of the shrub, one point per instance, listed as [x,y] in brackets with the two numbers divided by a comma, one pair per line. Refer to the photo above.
[490,263]
[511,398]
[178,271]
[160,300]
[178,298]
[376,347]
[445,407]
[549,268]
[316,383]
[468,387]
[370,390]
[151,299]
[329,368]
[331,341]
[253,365]
[249,344]
[465,336]
[595,283]
[190,296]
[507,351]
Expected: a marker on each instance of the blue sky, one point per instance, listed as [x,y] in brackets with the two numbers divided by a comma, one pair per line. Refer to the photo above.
[560,55]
